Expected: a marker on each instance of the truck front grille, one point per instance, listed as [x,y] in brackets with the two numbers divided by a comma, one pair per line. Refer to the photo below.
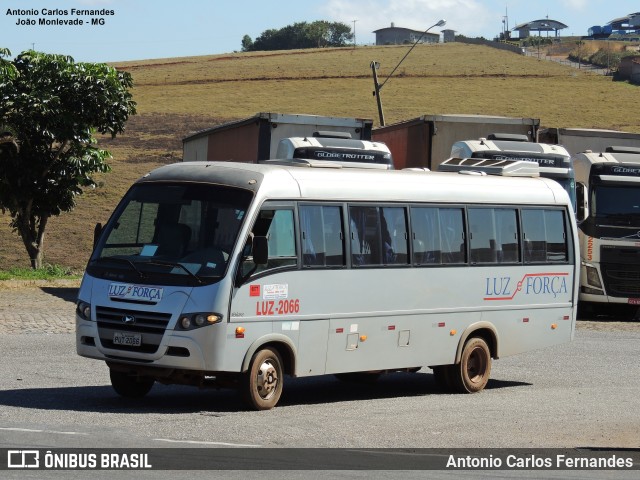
[621,280]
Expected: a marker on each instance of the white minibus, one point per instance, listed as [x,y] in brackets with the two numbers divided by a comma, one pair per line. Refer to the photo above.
[233,274]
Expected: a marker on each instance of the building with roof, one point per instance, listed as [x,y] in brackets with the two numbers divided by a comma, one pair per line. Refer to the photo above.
[629,69]
[543,25]
[448,35]
[630,22]
[399,36]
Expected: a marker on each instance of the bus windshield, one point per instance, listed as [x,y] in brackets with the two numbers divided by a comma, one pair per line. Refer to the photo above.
[171,233]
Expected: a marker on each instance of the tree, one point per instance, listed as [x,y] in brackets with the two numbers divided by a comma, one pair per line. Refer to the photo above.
[580,53]
[246,43]
[50,109]
[317,34]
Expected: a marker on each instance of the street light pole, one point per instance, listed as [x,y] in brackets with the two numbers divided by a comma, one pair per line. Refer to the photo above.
[376,92]
[375,65]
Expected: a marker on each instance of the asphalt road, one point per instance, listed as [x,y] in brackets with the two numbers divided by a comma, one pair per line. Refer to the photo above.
[582,395]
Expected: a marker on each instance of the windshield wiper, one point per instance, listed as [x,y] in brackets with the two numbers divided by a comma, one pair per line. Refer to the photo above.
[122,260]
[174,264]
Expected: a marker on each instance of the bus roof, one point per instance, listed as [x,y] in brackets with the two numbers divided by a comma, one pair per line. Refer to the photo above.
[350,184]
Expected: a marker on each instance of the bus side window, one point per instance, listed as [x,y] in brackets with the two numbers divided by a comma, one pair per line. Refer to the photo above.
[425,223]
[452,235]
[378,235]
[366,245]
[507,235]
[494,235]
[322,236]
[534,235]
[278,226]
[483,236]
[557,250]
[394,235]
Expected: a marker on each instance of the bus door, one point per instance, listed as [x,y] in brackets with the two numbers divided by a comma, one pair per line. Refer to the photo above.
[276,302]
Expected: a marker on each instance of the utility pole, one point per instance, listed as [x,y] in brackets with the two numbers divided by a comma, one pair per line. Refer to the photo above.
[375,65]
[354,33]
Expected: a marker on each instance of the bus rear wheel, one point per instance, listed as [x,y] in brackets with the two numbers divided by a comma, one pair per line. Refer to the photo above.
[262,383]
[472,373]
[130,386]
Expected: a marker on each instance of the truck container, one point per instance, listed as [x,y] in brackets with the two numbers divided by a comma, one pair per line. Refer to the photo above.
[256,138]
[426,141]
[577,140]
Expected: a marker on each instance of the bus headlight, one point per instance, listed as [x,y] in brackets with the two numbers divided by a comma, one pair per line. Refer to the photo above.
[190,321]
[83,309]
[593,278]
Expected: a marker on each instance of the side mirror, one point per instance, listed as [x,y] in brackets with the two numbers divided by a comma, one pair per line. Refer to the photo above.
[97,231]
[260,250]
[582,202]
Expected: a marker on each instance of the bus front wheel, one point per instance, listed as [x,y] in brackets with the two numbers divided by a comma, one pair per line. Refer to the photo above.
[262,383]
[472,373]
[130,386]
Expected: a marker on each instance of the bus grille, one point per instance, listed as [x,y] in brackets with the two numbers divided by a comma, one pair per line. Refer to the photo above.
[150,325]
[621,280]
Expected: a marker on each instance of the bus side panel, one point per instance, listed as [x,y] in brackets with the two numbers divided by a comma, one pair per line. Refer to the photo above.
[312,347]
[530,329]
[393,318]
[394,341]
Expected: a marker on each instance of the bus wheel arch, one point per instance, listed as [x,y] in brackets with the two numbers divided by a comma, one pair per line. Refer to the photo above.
[484,330]
[279,343]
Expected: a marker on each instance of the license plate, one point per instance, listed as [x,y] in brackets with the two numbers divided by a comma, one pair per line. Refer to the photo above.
[634,301]
[128,339]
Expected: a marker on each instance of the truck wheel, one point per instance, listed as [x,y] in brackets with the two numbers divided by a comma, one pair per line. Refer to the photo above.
[472,373]
[262,383]
[130,386]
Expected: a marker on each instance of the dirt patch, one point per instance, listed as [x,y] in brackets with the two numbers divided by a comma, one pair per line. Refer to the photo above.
[156,132]
[609,326]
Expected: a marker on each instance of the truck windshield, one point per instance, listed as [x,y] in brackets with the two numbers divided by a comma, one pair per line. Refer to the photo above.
[171,234]
[616,204]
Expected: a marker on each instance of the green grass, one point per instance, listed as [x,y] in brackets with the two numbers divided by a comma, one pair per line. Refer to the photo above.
[48,272]
[181,95]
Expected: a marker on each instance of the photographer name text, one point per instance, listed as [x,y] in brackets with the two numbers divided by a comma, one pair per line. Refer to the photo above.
[59,16]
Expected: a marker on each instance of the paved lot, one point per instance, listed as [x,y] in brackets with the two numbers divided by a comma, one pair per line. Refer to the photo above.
[38,307]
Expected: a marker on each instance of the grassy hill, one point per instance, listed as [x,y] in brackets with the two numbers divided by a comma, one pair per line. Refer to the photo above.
[180,95]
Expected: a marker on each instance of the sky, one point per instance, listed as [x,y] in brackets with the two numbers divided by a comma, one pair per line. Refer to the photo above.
[150,29]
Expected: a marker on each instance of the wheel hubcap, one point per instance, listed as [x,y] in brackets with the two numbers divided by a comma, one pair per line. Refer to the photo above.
[476,366]
[267,380]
